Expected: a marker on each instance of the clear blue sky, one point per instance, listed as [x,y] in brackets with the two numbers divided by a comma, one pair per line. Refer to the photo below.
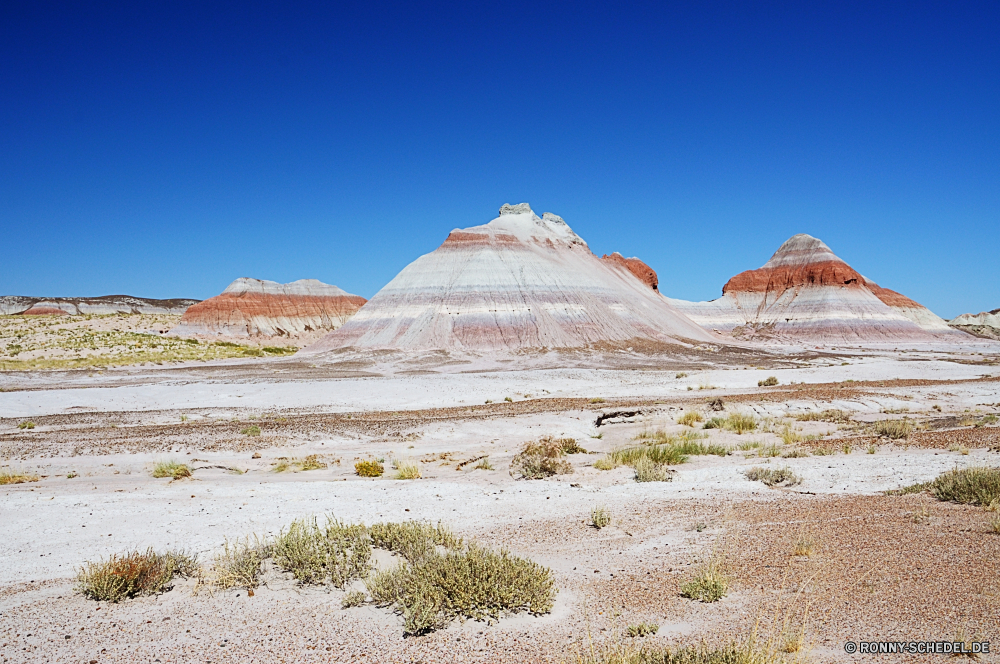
[164,149]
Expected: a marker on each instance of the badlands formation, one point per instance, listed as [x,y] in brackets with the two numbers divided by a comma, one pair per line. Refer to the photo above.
[805,293]
[257,308]
[985,324]
[519,282]
[82,306]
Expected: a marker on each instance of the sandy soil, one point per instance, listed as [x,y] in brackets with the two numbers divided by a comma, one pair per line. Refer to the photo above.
[881,567]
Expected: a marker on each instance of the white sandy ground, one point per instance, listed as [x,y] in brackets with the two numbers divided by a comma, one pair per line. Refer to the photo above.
[443,390]
[113,504]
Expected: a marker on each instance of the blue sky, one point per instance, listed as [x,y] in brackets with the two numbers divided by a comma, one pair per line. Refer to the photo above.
[164,149]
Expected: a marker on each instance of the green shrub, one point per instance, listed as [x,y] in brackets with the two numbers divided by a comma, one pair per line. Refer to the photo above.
[335,554]
[279,350]
[26,425]
[772,476]
[709,584]
[470,583]
[413,540]
[252,430]
[132,574]
[642,629]
[369,469]
[979,485]
[690,418]
[352,599]
[171,469]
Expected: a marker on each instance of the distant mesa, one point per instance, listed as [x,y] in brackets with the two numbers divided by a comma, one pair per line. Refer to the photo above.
[518,282]
[806,292]
[985,324]
[257,308]
[78,306]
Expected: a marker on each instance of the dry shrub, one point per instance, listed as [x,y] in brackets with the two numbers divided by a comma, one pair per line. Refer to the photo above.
[369,469]
[647,470]
[238,565]
[470,583]
[979,485]
[335,554]
[484,464]
[894,429]
[600,517]
[831,415]
[406,469]
[541,459]
[772,476]
[739,423]
[171,469]
[311,462]
[770,381]
[642,629]
[132,574]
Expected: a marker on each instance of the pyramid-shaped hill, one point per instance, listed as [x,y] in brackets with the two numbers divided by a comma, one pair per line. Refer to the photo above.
[806,293]
[253,307]
[518,282]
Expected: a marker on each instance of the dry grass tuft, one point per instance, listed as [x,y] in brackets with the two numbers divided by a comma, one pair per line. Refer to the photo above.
[484,464]
[772,476]
[311,462]
[171,469]
[805,545]
[352,599]
[132,574]
[238,565]
[541,459]
[832,415]
[894,429]
[770,381]
[406,469]
[979,485]
[739,423]
[690,418]
[647,470]
[13,477]
[369,469]
[731,652]
[642,629]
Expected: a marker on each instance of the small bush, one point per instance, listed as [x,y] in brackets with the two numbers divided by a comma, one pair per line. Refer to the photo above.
[508,399]
[484,464]
[600,517]
[690,418]
[471,583]
[132,574]
[413,540]
[11,477]
[772,476]
[171,469]
[311,462]
[979,485]
[597,400]
[709,584]
[26,425]
[906,490]
[736,422]
[770,381]
[538,460]
[894,429]
[832,415]
[238,564]
[747,651]
[369,469]
[279,350]
[794,454]
[252,430]
[407,470]
[823,451]
[352,599]
[642,629]
[335,554]
[680,375]
[805,545]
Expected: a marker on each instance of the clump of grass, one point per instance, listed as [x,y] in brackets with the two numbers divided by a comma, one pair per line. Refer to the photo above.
[369,469]
[413,540]
[872,449]
[830,415]
[541,459]
[508,399]
[334,553]
[709,584]
[794,454]
[994,523]
[279,350]
[252,430]
[823,451]
[789,436]
[239,563]
[770,381]
[406,469]
[352,599]
[13,477]
[642,629]
[647,470]
[961,449]
[894,429]
[471,582]
[171,469]
[749,445]
[132,574]
[979,485]
[311,462]
[484,464]
[651,460]
[680,374]
[747,651]
[600,517]
[772,476]
[739,423]
[769,451]
[907,490]
[690,418]
[26,425]
[805,545]
[597,400]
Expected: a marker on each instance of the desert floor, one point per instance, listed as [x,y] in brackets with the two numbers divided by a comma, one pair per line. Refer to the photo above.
[875,567]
